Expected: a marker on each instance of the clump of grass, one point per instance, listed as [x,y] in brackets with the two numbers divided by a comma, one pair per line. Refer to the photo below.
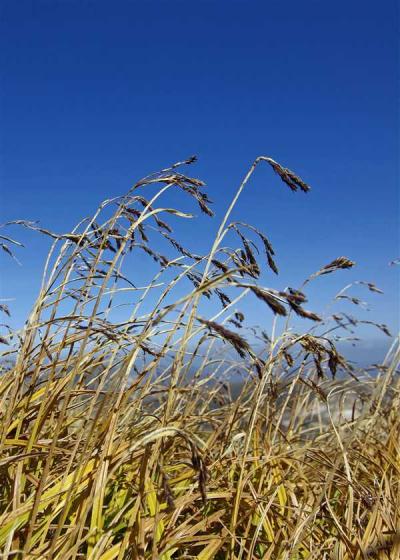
[120,437]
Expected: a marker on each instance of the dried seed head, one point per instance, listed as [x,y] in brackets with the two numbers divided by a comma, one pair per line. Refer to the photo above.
[337,264]
[4,308]
[240,344]
[270,299]
[267,245]
[312,345]
[6,249]
[318,367]
[199,466]
[384,328]
[352,320]
[304,313]
[235,323]
[291,179]
[221,266]
[224,299]
[239,316]
[142,233]
[259,364]
[190,160]
[288,358]
[294,298]
[272,264]
[371,287]
[265,337]
[354,300]
[204,208]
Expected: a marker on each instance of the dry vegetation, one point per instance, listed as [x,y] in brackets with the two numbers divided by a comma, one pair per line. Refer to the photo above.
[120,438]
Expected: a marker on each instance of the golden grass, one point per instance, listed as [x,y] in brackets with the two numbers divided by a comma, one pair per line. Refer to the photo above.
[120,438]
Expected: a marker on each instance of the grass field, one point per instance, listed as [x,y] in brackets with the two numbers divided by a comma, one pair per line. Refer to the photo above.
[120,436]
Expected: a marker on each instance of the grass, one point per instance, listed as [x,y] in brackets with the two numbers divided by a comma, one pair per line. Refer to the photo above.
[120,436]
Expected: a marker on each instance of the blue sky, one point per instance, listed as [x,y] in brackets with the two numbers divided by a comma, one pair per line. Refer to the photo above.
[95,95]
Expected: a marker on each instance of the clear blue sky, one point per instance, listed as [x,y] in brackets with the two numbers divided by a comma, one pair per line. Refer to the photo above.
[96,94]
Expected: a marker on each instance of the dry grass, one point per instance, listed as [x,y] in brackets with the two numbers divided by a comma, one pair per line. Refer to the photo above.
[120,438]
